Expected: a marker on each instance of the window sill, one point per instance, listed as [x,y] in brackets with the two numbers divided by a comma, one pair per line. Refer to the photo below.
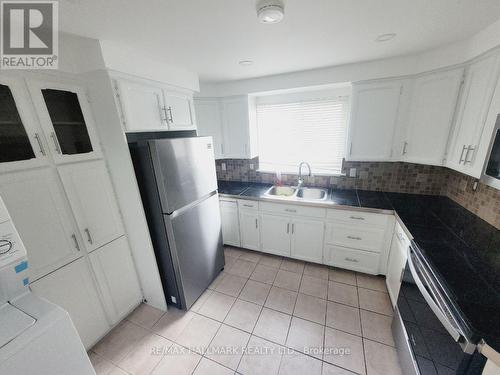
[295,173]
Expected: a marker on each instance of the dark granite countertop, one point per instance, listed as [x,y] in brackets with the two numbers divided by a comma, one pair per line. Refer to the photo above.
[463,249]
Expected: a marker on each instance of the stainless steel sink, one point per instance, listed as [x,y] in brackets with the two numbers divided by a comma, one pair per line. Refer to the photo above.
[312,194]
[281,191]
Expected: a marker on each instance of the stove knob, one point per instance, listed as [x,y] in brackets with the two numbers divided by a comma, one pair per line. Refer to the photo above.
[5,246]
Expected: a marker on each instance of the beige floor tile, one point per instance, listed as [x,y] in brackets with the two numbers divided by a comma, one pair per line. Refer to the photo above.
[101,365]
[375,301]
[264,274]
[306,337]
[371,282]
[281,299]
[352,360]
[377,327]
[117,371]
[343,293]
[146,316]
[343,317]
[217,306]
[145,355]
[208,367]
[227,346]
[292,265]
[243,315]
[231,285]
[314,286]
[201,300]
[310,308]
[262,357]
[272,325]
[234,252]
[217,280]
[271,260]
[255,292]
[229,262]
[172,323]
[198,334]
[251,256]
[316,270]
[179,361]
[242,268]
[297,364]
[381,359]
[288,280]
[342,276]
[120,341]
[329,369]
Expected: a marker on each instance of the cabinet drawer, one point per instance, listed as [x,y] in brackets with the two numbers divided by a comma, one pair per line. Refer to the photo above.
[248,205]
[358,217]
[351,259]
[293,209]
[355,236]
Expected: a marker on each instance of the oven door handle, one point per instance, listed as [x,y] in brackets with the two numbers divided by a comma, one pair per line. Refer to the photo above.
[430,301]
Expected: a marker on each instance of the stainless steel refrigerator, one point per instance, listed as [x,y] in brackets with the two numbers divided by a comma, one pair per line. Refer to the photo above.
[178,186]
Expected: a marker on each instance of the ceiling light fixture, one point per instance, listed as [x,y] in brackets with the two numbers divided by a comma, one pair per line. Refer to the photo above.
[270,11]
[245,62]
[385,37]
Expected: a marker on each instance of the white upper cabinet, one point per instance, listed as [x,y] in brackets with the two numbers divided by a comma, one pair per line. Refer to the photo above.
[22,144]
[374,117]
[142,106]
[93,201]
[209,121]
[65,116]
[480,82]
[231,121]
[149,106]
[432,108]
[180,110]
[36,202]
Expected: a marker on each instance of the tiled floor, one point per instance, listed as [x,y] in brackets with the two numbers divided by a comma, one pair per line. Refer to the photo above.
[263,315]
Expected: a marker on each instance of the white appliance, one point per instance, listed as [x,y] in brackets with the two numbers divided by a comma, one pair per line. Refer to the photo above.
[36,336]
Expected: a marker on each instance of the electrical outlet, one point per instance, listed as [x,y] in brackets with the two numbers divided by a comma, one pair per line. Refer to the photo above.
[352,172]
[251,166]
[223,166]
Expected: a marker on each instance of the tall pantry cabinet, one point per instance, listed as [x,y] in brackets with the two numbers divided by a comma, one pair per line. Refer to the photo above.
[57,189]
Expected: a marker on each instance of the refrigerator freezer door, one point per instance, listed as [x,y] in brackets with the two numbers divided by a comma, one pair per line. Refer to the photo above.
[185,170]
[196,247]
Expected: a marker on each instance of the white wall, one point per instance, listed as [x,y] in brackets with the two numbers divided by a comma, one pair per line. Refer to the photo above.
[443,56]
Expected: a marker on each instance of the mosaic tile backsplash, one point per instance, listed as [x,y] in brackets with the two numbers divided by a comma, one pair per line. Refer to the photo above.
[384,176]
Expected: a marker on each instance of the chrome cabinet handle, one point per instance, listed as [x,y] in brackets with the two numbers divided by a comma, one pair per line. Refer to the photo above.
[354,238]
[290,210]
[288,228]
[293,228]
[405,145]
[469,149]
[42,150]
[163,114]
[462,155]
[248,205]
[89,237]
[356,218]
[171,117]
[402,275]
[56,143]
[352,260]
[256,223]
[73,236]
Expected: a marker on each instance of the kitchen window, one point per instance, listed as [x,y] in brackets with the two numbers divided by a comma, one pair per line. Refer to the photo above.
[311,130]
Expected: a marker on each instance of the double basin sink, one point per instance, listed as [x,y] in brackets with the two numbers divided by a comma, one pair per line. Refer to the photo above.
[297,193]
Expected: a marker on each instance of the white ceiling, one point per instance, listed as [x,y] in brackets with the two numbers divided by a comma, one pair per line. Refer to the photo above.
[210,36]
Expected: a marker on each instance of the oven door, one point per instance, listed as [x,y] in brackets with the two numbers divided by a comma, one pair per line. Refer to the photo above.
[428,339]
[491,172]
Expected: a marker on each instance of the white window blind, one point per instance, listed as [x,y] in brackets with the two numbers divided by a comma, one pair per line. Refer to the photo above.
[312,131]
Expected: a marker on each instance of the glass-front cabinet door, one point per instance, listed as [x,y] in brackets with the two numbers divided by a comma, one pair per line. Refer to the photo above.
[65,114]
[21,143]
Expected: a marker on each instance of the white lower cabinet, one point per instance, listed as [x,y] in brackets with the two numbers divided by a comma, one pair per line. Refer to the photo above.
[230,222]
[72,288]
[116,278]
[249,229]
[397,263]
[275,234]
[307,240]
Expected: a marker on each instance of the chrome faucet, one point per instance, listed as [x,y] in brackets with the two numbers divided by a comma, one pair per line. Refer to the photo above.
[301,181]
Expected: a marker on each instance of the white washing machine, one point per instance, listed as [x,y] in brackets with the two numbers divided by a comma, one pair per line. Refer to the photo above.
[36,336]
